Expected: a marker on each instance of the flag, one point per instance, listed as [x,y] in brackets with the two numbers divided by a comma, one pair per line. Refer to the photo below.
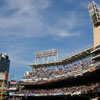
[6,76]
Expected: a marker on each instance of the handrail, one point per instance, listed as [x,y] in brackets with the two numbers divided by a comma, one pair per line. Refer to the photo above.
[79,51]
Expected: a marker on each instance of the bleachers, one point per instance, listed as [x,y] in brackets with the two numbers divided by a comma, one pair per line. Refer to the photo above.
[51,74]
[75,90]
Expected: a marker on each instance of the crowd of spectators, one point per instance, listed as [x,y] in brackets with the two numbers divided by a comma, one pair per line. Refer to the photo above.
[75,90]
[49,74]
[14,98]
[66,90]
[4,88]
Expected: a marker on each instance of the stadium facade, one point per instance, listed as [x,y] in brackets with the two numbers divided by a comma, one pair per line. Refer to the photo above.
[78,78]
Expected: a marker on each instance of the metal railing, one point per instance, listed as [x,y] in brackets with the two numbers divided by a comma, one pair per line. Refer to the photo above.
[77,52]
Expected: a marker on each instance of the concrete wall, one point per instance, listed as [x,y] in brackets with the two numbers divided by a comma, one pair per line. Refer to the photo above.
[96,36]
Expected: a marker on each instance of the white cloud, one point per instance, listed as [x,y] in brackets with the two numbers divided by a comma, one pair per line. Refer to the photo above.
[65,25]
[25,19]
[19,56]
[78,4]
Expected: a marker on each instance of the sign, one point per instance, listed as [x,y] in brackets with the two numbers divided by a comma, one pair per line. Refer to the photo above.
[2,76]
[92,69]
[13,83]
[52,52]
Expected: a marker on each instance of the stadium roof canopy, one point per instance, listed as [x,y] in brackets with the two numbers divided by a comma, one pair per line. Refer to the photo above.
[85,52]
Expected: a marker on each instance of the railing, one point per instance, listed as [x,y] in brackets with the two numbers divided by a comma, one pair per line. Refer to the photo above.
[77,52]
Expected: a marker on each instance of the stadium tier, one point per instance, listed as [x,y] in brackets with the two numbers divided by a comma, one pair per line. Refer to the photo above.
[75,90]
[81,54]
[57,74]
[86,91]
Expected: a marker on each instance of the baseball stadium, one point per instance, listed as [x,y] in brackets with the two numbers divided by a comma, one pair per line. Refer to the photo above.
[74,77]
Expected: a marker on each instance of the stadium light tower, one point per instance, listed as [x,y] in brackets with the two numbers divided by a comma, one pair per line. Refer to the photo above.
[94,12]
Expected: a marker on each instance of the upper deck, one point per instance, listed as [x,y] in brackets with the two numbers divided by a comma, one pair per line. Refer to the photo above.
[81,54]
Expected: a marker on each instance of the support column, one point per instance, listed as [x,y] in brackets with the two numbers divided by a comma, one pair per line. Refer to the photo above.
[96,36]
[81,64]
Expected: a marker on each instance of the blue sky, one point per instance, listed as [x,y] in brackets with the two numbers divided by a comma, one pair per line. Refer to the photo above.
[28,26]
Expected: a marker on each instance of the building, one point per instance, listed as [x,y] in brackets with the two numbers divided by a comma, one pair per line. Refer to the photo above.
[4,65]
